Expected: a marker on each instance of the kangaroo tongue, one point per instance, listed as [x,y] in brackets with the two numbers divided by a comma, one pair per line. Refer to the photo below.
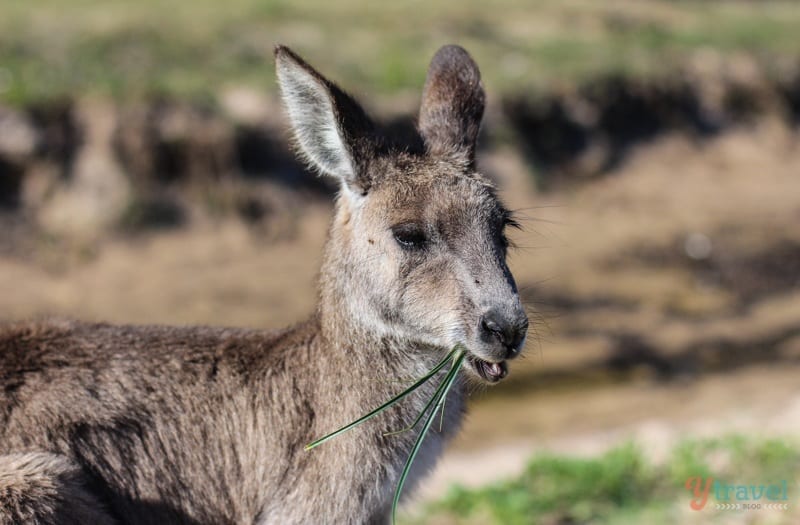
[494,370]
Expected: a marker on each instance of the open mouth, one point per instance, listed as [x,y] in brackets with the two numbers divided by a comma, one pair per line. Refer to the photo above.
[491,372]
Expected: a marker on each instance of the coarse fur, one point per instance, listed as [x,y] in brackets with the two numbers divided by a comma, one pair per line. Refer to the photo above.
[150,424]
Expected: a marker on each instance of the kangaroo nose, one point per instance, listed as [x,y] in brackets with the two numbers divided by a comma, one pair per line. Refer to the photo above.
[510,333]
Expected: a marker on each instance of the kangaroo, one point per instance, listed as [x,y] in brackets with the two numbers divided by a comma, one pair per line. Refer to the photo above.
[149,424]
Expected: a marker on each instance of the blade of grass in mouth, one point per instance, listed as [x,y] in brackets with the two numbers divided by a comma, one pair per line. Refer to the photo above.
[386,405]
[424,411]
[440,396]
[436,403]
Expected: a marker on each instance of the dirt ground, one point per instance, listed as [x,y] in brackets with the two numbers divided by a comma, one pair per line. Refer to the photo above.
[665,298]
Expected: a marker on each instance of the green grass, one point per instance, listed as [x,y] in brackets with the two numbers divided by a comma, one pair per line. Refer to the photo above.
[621,486]
[52,48]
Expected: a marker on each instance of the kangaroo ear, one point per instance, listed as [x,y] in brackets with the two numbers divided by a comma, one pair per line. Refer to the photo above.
[332,130]
[452,104]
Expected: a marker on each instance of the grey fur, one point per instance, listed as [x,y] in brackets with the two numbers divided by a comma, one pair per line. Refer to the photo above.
[150,424]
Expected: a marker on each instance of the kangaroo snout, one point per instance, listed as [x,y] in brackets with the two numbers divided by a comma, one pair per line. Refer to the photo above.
[504,332]
[499,337]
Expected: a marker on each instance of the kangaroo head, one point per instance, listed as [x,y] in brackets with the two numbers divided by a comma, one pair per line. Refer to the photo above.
[417,250]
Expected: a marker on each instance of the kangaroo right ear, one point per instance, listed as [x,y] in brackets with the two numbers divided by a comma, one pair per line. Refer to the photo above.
[332,130]
[452,104]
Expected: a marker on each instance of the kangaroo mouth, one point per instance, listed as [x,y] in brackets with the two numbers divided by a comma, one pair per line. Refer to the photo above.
[490,372]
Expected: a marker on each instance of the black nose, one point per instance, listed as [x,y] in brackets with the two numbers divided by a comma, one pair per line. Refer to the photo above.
[510,332]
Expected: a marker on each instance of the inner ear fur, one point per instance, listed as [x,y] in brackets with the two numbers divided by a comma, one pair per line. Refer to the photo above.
[332,130]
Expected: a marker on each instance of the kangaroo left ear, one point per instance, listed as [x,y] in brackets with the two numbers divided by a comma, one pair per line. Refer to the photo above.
[332,130]
[452,105]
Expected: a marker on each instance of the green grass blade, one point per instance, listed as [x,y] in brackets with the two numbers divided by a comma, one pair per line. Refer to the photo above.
[424,411]
[441,414]
[448,382]
[386,405]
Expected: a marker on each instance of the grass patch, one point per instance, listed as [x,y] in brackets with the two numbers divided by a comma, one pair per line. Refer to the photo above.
[51,48]
[621,486]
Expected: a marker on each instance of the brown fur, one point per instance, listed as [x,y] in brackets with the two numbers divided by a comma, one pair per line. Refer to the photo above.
[148,424]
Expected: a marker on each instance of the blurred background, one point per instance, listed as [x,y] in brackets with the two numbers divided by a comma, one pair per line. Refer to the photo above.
[650,148]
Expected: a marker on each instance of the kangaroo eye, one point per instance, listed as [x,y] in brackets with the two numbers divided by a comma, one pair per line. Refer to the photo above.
[410,236]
